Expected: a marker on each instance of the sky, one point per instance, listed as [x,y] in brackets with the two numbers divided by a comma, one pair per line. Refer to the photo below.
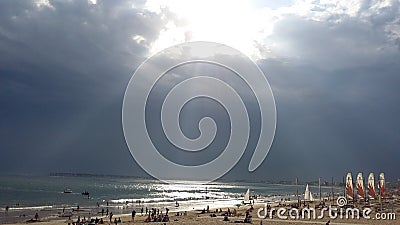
[333,67]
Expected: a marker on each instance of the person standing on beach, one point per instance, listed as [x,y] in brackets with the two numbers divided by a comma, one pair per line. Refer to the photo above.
[111,215]
[133,215]
[141,212]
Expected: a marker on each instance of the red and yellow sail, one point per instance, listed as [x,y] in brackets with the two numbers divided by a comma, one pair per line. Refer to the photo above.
[360,186]
[349,186]
[371,186]
[381,184]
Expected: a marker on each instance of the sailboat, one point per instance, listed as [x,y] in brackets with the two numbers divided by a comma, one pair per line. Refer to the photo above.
[246,199]
[360,186]
[308,195]
[371,186]
[349,186]
[381,184]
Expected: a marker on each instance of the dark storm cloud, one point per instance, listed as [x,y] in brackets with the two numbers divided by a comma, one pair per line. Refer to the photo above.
[336,88]
[63,73]
[64,69]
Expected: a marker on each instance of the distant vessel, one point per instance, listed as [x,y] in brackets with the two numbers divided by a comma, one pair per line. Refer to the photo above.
[67,191]
[86,194]
[308,195]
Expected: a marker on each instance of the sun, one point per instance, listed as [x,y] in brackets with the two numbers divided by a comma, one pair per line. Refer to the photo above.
[234,23]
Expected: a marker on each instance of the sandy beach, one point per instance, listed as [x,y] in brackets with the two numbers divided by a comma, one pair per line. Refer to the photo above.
[197,217]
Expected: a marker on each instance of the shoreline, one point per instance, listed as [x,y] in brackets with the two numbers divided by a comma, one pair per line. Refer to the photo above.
[195,216]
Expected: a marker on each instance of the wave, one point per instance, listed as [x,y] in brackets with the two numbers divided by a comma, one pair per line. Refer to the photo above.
[18,208]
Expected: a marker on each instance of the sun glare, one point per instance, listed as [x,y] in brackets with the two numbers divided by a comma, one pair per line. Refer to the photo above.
[235,23]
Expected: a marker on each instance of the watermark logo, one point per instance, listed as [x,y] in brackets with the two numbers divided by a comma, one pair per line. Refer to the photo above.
[313,213]
[167,63]
[344,211]
[341,201]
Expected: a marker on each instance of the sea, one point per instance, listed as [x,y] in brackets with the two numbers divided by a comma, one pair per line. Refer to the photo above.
[26,195]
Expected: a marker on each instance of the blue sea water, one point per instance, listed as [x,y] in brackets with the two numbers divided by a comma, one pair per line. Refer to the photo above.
[23,193]
[48,190]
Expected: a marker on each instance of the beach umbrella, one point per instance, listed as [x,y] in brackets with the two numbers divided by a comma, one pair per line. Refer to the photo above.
[238,205]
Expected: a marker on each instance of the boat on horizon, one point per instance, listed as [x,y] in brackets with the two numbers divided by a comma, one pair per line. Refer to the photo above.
[67,191]
[86,193]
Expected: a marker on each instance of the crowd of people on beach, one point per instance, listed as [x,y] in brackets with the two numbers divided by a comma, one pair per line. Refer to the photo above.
[156,215]
[84,215]
[151,215]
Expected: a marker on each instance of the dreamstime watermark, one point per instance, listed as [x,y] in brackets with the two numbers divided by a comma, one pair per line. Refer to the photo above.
[310,213]
[168,62]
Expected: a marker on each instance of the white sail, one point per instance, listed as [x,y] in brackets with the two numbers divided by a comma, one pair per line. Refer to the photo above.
[308,195]
[360,186]
[382,184]
[371,185]
[247,196]
[349,186]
